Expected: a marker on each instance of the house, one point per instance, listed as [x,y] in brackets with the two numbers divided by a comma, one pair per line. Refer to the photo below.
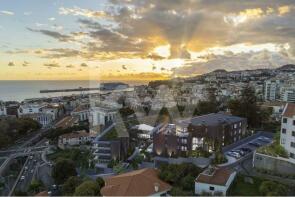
[73,139]
[44,113]
[208,132]
[144,131]
[144,182]
[214,181]
[66,122]
[288,130]
[82,112]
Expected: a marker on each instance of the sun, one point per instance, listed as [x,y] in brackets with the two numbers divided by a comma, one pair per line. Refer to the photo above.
[163,50]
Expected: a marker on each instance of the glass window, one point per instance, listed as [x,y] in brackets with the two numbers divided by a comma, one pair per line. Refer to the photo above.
[211,188]
[284,120]
[283,130]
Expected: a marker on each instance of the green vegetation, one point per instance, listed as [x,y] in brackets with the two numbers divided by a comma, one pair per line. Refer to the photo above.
[11,129]
[111,135]
[270,188]
[246,106]
[274,149]
[207,107]
[199,152]
[219,158]
[63,169]
[254,186]
[68,188]
[164,116]
[81,158]
[88,188]
[136,161]
[35,187]
[181,177]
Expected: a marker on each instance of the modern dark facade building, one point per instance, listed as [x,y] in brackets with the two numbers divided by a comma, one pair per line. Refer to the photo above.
[208,132]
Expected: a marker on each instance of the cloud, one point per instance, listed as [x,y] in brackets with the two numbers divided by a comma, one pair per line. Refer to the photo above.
[27,13]
[11,64]
[5,12]
[53,34]
[83,65]
[25,63]
[70,66]
[51,19]
[240,61]
[76,11]
[52,65]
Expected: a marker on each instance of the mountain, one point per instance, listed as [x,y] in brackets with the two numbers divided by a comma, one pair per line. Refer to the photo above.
[287,67]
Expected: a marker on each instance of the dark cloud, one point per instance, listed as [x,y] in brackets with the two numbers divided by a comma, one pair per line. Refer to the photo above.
[84,65]
[70,66]
[11,64]
[25,63]
[52,65]
[53,34]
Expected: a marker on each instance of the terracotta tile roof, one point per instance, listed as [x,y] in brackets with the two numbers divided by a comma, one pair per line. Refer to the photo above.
[135,183]
[75,134]
[289,110]
[219,177]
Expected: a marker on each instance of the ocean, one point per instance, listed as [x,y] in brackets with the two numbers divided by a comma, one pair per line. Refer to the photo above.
[20,90]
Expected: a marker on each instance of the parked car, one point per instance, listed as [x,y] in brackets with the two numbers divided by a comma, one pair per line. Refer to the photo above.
[256,144]
[246,150]
[264,139]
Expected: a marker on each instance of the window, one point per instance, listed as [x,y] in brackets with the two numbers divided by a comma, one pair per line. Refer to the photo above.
[211,188]
[293,122]
[284,120]
[293,144]
[283,131]
[293,133]
[283,141]
[292,155]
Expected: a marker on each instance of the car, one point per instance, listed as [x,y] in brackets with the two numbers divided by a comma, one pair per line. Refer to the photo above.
[26,168]
[246,150]
[234,154]
[32,171]
[31,157]
[242,153]
[264,139]
[256,144]
[22,178]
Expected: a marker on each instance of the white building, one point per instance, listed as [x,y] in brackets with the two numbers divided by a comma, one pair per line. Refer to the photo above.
[271,90]
[3,111]
[288,94]
[44,113]
[288,130]
[82,112]
[214,181]
[73,139]
[144,131]
[102,115]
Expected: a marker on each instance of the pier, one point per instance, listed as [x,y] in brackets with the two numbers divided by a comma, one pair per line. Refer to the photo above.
[87,89]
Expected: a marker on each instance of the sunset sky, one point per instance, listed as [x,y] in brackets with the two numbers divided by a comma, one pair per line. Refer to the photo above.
[142,39]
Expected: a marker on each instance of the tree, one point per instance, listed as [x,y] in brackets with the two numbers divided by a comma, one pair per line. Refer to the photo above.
[164,116]
[63,169]
[100,182]
[181,109]
[246,106]
[88,188]
[271,188]
[68,188]
[36,186]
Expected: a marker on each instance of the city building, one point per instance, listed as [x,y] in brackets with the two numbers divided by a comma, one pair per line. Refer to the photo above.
[73,139]
[271,90]
[144,182]
[208,132]
[44,113]
[288,130]
[82,112]
[3,111]
[144,131]
[214,181]
[111,144]
[288,93]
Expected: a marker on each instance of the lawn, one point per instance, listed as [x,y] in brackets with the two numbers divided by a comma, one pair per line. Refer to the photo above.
[242,188]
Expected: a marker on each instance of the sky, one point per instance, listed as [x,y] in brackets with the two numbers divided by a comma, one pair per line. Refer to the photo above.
[142,39]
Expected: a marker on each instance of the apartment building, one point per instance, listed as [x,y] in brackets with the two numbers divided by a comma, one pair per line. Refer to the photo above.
[288,130]
[82,112]
[208,132]
[73,139]
[271,90]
